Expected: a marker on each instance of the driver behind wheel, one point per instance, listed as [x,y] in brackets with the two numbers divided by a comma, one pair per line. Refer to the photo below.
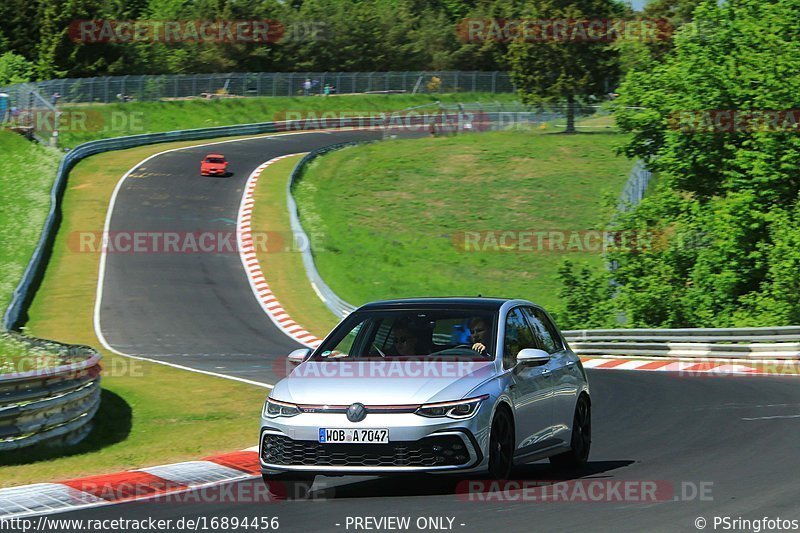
[405,340]
[479,331]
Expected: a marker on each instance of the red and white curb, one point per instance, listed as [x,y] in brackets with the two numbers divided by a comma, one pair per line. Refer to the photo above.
[255,275]
[144,483]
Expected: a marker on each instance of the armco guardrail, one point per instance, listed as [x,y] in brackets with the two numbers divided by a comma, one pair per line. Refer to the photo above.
[339,307]
[53,403]
[766,343]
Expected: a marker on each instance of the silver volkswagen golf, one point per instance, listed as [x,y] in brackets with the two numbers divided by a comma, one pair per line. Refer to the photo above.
[434,385]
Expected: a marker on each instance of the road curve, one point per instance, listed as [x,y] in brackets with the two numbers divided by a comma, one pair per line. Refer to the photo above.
[194,309]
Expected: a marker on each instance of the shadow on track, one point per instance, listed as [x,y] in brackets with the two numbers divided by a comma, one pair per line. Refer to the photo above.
[420,485]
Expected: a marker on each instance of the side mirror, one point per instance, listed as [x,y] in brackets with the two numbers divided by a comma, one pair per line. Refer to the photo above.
[532,355]
[299,355]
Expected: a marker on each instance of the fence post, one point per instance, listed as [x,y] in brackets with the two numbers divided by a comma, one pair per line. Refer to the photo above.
[494,82]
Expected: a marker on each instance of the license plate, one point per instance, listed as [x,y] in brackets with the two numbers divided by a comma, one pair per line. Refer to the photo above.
[348,436]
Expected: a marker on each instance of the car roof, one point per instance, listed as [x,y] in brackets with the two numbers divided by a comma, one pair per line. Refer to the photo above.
[216,155]
[453,302]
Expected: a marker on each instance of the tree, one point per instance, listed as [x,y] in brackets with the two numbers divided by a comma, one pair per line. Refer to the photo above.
[14,69]
[726,203]
[571,70]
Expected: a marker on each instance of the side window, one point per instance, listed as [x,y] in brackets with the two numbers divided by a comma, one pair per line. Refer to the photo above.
[518,336]
[544,329]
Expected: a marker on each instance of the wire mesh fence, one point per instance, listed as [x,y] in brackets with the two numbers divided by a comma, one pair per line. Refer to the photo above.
[243,84]
[27,111]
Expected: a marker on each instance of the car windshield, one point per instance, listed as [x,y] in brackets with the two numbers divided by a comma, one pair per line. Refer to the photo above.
[215,160]
[426,333]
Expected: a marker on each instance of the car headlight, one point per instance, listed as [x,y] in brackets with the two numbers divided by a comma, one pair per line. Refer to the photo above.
[275,409]
[457,409]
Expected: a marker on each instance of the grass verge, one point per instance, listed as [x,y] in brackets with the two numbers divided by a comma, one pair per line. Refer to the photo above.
[113,120]
[283,265]
[394,215]
[27,171]
[150,414]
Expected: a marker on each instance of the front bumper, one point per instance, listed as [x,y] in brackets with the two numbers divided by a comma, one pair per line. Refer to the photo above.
[416,444]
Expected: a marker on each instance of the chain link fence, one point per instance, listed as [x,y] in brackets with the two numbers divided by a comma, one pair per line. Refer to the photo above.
[27,112]
[243,84]
[635,187]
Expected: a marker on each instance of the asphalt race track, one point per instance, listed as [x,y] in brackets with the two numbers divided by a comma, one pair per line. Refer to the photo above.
[681,432]
[195,309]
[728,446]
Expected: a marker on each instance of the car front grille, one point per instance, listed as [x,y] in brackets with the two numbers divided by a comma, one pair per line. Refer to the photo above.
[434,451]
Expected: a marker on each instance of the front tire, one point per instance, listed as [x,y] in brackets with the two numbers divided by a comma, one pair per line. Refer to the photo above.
[581,440]
[289,486]
[501,445]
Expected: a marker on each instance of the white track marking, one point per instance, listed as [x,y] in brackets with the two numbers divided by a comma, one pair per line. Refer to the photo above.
[771,417]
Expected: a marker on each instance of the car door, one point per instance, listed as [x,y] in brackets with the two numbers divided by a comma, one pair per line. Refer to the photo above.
[564,372]
[531,388]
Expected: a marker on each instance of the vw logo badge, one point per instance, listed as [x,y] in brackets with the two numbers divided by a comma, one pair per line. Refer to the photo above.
[356,412]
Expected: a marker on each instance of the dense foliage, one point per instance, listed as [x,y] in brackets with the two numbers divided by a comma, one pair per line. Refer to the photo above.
[724,218]
[317,35]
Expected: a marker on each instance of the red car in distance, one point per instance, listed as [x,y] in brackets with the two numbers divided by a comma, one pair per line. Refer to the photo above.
[214,165]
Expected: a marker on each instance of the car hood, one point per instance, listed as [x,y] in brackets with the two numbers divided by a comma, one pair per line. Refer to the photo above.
[214,166]
[381,382]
